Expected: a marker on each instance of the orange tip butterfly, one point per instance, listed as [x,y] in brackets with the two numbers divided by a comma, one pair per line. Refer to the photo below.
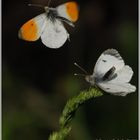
[111,74]
[49,27]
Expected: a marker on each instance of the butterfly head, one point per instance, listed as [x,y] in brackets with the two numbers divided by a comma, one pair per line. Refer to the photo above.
[47,9]
[51,13]
[90,79]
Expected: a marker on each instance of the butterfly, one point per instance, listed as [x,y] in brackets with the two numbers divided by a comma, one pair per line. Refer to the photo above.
[111,74]
[49,25]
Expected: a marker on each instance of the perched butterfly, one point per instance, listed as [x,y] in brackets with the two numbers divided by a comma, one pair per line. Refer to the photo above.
[111,74]
[49,25]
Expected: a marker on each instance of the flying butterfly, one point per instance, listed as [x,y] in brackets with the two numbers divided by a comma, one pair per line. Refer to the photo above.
[49,25]
[111,74]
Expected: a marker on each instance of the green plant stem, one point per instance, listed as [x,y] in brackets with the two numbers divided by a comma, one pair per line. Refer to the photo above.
[69,111]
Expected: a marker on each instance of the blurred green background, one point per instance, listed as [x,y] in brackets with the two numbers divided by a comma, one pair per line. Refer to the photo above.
[38,81]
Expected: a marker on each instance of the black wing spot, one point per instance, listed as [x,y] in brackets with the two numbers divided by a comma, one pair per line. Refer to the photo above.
[104,60]
[109,74]
[57,30]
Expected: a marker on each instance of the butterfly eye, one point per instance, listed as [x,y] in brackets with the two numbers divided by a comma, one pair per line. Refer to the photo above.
[91,78]
[88,78]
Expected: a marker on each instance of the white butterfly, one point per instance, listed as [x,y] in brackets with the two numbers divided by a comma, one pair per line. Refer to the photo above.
[49,25]
[111,74]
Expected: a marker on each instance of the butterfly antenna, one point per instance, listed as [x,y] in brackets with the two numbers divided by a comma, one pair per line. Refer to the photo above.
[36,5]
[75,74]
[81,68]
[49,1]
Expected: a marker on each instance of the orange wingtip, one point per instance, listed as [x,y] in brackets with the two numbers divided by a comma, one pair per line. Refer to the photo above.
[29,31]
[72,10]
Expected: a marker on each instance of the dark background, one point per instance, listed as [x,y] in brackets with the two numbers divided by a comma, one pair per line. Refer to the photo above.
[37,81]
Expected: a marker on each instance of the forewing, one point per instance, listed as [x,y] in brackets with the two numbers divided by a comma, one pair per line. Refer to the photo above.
[69,11]
[108,59]
[32,29]
[54,34]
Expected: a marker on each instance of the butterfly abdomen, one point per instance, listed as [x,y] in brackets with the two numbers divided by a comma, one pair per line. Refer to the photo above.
[52,14]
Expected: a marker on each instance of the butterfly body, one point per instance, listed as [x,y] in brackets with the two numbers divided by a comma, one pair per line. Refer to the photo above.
[51,13]
[111,74]
[49,25]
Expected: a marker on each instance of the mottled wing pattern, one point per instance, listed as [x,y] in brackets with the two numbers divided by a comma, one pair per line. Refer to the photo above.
[54,35]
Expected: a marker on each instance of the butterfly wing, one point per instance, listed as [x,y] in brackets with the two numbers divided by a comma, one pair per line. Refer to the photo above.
[69,11]
[124,75]
[33,28]
[112,75]
[119,84]
[54,35]
[120,89]
[108,59]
